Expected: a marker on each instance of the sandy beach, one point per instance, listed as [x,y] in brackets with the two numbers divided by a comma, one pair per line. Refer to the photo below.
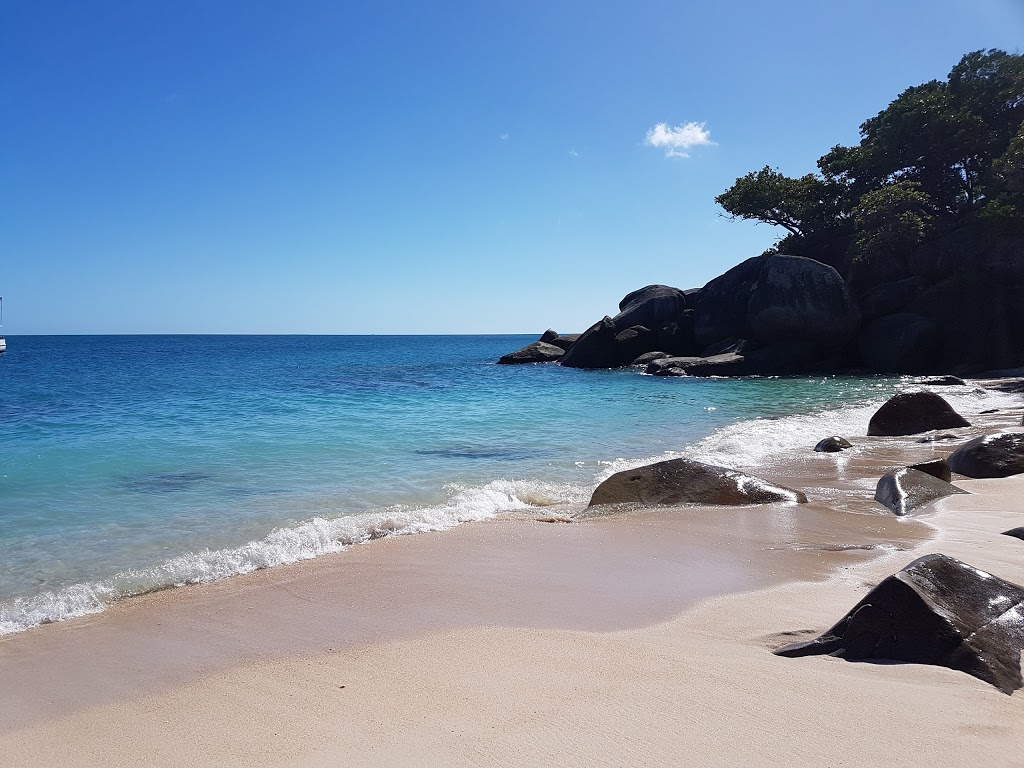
[642,638]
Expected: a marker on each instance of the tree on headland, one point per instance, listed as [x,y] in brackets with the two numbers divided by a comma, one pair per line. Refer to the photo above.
[943,154]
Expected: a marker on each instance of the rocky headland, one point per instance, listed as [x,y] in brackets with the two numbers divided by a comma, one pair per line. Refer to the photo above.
[779,314]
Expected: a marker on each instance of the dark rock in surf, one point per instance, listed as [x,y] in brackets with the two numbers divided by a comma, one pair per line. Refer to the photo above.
[1017,533]
[999,455]
[910,413]
[832,444]
[537,352]
[937,611]
[685,481]
[549,335]
[906,489]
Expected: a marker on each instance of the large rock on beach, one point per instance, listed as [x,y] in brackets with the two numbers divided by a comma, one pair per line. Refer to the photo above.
[910,413]
[537,352]
[999,455]
[937,611]
[564,340]
[904,490]
[685,481]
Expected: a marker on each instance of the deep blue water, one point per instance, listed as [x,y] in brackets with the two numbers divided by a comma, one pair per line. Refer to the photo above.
[133,462]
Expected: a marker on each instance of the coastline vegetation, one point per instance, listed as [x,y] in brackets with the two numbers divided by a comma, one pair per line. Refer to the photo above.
[944,156]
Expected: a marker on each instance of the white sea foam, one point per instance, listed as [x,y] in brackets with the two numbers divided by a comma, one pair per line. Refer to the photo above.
[319,536]
[749,444]
[764,442]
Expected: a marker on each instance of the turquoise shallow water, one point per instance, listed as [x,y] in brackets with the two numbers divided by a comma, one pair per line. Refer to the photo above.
[129,463]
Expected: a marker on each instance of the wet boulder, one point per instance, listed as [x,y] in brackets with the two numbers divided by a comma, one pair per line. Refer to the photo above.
[999,455]
[937,611]
[906,489]
[832,444]
[910,413]
[537,352]
[685,481]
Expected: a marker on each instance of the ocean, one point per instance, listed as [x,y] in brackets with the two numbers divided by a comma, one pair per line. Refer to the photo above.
[135,463]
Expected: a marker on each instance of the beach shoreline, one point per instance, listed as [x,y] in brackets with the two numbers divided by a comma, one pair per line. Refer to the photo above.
[428,627]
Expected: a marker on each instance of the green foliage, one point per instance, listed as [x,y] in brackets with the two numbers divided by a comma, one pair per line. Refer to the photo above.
[891,219]
[769,196]
[941,153]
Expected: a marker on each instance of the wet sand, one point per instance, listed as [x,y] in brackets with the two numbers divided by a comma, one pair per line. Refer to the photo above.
[641,638]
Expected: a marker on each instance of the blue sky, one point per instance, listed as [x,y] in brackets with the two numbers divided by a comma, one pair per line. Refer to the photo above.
[397,167]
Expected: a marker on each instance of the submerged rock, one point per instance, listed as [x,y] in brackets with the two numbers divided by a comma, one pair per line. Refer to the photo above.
[685,481]
[906,489]
[999,455]
[937,611]
[912,412]
[833,444]
[537,352]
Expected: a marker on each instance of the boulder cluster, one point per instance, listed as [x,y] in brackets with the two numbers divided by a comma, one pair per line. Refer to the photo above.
[937,610]
[778,314]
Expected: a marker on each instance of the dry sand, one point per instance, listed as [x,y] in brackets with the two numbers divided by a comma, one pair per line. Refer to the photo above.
[607,642]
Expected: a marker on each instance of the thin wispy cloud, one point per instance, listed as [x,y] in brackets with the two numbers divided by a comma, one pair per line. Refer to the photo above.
[677,141]
[503,137]
[573,152]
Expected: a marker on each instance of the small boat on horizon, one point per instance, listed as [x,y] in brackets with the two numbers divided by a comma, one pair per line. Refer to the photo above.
[3,341]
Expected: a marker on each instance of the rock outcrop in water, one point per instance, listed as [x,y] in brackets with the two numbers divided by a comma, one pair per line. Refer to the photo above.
[904,490]
[685,481]
[537,352]
[937,611]
[910,413]
[933,311]
[998,455]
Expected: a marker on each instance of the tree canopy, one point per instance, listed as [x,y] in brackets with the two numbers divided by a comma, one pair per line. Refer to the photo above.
[941,154]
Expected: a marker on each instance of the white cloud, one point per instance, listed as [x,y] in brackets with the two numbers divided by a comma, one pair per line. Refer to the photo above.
[678,140]
[573,152]
[503,137]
